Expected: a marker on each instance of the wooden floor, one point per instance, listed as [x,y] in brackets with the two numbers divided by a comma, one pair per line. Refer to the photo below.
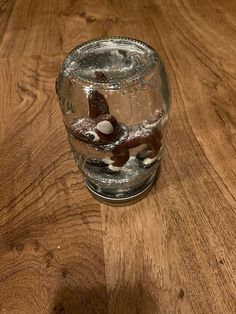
[173,252]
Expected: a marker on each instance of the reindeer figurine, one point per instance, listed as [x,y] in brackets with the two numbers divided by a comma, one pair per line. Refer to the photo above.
[101,129]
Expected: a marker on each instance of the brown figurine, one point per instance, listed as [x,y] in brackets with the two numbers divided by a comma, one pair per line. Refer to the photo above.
[101,129]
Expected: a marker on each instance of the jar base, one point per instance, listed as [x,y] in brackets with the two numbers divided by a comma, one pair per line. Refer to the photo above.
[122,199]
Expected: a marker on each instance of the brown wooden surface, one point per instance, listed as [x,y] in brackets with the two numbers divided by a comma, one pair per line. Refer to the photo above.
[63,252]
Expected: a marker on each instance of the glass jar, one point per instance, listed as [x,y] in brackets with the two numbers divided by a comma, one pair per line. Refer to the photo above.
[114,97]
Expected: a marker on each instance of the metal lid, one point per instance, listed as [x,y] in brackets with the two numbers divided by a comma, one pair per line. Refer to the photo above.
[126,198]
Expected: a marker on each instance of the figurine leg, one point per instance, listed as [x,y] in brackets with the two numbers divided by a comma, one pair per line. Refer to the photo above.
[155,145]
[117,161]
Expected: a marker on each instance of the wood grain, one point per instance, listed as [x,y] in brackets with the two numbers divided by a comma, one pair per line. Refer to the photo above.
[173,252]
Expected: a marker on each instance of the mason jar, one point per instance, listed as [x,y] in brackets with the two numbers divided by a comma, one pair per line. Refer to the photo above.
[115,101]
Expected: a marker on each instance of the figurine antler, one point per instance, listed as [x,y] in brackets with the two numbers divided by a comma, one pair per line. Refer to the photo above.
[97,104]
[97,101]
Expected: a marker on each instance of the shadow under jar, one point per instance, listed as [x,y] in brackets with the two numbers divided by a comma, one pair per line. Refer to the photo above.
[114,97]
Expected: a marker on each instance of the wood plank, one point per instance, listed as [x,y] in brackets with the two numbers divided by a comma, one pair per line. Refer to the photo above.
[51,244]
[172,255]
